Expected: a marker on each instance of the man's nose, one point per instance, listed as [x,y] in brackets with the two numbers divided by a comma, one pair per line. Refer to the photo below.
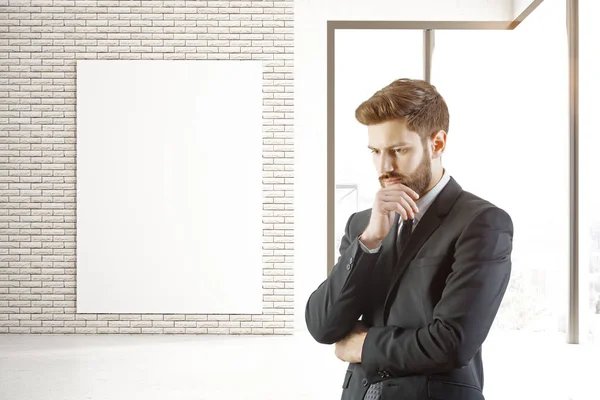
[387,164]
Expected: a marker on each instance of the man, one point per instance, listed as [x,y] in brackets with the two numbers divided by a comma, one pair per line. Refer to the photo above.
[426,267]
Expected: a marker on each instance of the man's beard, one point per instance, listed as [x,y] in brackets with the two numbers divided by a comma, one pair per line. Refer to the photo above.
[418,181]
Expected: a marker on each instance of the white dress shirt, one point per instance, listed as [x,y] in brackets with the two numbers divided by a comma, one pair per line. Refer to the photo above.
[423,203]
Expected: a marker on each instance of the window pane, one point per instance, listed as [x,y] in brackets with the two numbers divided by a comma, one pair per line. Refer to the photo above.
[508,142]
[365,61]
[589,165]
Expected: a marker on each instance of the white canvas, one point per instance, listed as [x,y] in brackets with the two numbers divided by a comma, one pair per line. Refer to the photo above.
[169,187]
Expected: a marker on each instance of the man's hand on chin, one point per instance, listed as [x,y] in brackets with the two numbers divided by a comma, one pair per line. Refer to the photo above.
[349,349]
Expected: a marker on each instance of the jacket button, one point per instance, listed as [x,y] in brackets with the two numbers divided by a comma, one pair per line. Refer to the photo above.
[365,382]
[383,374]
[348,266]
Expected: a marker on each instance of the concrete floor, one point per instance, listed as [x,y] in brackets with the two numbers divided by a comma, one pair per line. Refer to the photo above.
[114,367]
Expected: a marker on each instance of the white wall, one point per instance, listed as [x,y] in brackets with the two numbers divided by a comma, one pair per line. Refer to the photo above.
[403,10]
[311,109]
[38,215]
[520,5]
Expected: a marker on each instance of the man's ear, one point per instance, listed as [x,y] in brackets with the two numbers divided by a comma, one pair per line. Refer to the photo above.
[438,143]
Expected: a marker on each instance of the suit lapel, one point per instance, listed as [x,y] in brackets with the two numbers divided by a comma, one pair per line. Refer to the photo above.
[430,221]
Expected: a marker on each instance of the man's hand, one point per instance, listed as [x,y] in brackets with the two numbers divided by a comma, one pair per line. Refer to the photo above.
[349,349]
[398,198]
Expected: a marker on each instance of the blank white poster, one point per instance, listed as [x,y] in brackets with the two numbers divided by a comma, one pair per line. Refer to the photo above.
[169,187]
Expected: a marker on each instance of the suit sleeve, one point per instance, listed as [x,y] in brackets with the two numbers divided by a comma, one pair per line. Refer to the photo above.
[463,316]
[334,308]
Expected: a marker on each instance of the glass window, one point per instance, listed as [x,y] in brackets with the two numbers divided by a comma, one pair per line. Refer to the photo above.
[589,166]
[365,61]
[508,142]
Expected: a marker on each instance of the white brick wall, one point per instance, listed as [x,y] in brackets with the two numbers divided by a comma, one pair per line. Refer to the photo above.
[40,42]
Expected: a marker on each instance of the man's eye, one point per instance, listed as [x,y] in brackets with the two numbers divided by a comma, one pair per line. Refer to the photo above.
[374,151]
[400,151]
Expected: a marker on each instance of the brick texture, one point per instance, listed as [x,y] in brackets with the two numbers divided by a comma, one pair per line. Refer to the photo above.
[40,42]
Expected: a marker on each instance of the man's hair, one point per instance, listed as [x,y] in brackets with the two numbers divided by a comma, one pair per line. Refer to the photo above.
[416,101]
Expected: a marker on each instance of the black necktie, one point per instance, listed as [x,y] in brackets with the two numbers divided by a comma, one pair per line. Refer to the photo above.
[374,392]
[405,232]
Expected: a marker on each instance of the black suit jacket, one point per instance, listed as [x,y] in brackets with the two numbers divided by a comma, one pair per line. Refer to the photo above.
[429,312]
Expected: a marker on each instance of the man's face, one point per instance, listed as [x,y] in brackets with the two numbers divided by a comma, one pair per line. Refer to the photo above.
[400,156]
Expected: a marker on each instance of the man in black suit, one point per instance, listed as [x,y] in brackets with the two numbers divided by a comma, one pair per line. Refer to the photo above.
[421,275]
